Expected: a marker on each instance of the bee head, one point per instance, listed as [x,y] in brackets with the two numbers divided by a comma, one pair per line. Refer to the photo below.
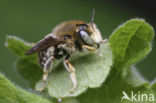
[89,33]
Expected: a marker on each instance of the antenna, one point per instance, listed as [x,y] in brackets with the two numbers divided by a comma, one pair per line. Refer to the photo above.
[92,19]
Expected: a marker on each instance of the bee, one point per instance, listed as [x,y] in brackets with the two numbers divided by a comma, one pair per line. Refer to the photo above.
[66,39]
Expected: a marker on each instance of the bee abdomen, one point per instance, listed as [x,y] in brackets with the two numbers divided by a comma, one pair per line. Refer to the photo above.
[43,56]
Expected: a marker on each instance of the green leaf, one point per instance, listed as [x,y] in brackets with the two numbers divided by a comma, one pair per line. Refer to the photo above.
[29,71]
[91,71]
[133,77]
[17,45]
[20,47]
[27,66]
[112,91]
[11,94]
[70,100]
[153,84]
[130,42]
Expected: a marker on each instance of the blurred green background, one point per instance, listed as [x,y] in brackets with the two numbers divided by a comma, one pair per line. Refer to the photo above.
[33,19]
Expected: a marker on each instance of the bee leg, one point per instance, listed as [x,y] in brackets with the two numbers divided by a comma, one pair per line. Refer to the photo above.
[71,70]
[93,50]
[89,48]
[104,41]
[47,69]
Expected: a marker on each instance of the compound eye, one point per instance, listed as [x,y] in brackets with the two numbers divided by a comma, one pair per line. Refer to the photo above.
[86,38]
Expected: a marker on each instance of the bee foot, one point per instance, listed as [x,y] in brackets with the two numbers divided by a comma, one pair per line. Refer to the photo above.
[71,90]
[42,86]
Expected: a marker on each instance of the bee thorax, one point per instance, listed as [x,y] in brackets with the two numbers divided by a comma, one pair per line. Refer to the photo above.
[69,48]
